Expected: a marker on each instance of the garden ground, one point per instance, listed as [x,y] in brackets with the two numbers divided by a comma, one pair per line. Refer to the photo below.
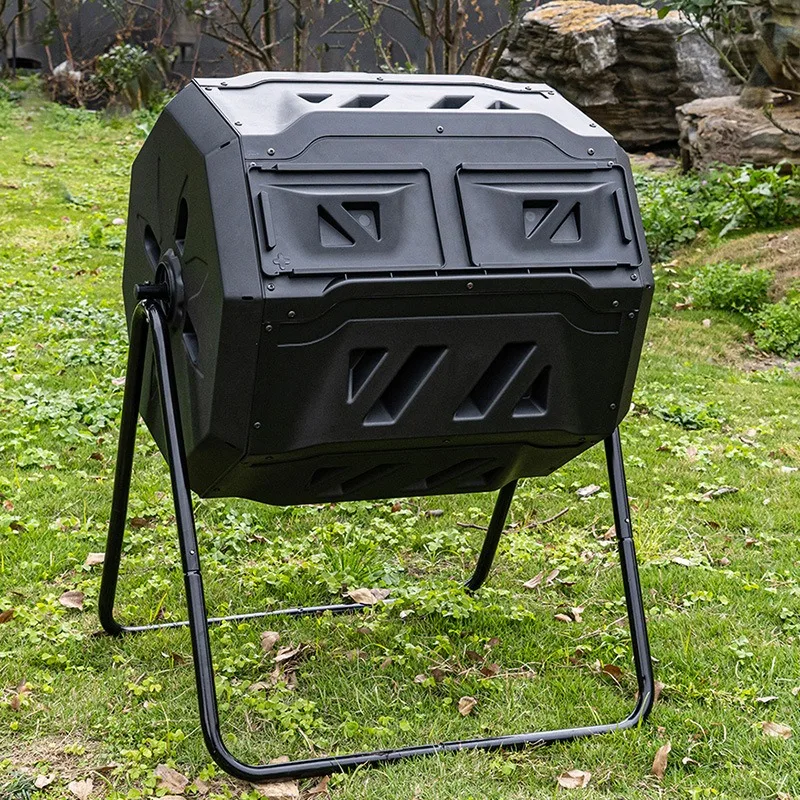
[712,454]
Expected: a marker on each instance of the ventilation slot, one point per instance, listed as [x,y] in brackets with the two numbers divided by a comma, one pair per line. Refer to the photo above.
[367,215]
[365,101]
[495,381]
[314,98]
[372,475]
[151,248]
[181,225]
[363,365]
[501,105]
[331,233]
[405,385]
[569,231]
[534,402]
[456,471]
[534,214]
[190,339]
[452,101]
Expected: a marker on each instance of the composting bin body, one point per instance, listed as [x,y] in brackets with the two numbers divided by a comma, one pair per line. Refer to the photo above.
[386,285]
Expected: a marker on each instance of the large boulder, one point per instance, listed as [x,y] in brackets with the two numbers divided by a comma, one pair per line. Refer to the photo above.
[621,64]
[722,130]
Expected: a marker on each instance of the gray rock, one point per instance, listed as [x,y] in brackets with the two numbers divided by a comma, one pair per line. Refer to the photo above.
[722,130]
[620,64]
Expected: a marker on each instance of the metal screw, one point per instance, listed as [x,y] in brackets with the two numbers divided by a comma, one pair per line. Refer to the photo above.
[439,129]
[470,285]
[271,151]
[271,287]
[380,77]
[590,151]
[615,304]
[610,163]
[631,315]
[551,92]
[209,88]
[253,165]
[634,277]
[613,406]
[237,122]
[224,83]
[291,315]
[268,328]
[256,425]
[529,88]
[592,124]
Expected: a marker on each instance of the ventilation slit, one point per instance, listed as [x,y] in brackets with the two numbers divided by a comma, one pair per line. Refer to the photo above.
[367,215]
[534,402]
[364,101]
[331,233]
[314,98]
[534,214]
[455,471]
[495,381]
[151,248]
[181,225]
[569,231]
[366,478]
[363,364]
[452,101]
[405,385]
[502,105]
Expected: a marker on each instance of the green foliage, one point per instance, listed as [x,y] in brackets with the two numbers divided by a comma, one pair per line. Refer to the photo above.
[675,208]
[726,286]
[778,328]
[130,73]
[688,411]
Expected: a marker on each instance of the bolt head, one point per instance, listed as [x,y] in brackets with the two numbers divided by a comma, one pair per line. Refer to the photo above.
[615,304]
[634,277]
[271,151]
[237,122]
[224,83]
[292,315]
[590,151]
[613,406]
[439,129]
[271,287]
[470,285]
[256,425]
[268,328]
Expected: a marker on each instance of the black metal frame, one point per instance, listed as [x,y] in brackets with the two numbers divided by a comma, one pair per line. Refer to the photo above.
[150,314]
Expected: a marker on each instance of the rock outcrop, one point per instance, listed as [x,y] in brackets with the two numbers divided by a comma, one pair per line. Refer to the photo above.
[721,130]
[621,64]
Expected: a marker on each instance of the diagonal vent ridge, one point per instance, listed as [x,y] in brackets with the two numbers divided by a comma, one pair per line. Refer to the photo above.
[363,365]
[534,402]
[457,472]
[534,213]
[364,101]
[331,233]
[495,381]
[405,385]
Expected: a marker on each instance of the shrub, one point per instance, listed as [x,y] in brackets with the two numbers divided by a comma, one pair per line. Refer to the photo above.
[130,74]
[778,328]
[729,287]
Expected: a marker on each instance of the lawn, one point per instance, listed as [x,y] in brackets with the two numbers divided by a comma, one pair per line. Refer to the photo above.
[712,456]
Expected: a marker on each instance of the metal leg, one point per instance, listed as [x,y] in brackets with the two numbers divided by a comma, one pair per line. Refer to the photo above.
[198,622]
[496,525]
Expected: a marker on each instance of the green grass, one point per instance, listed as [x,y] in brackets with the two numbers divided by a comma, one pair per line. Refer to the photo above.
[720,574]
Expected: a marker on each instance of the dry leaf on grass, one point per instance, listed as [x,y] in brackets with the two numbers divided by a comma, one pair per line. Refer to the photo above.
[268,640]
[612,671]
[770,698]
[776,729]
[466,704]
[81,789]
[7,615]
[72,599]
[541,579]
[286,654]
[44,780]
[170,779]
[321,787]
[93,559]
[574,779]
[563,617]
[660,761]
[368,597]
[588,491]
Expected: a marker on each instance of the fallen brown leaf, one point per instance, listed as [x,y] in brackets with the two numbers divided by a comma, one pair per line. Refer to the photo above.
[93,559]
[81,789]
[613,672]
[321,787]
[278,790]
[660,761]
[574,779]
[7,615]
[563,617]
[776,729]
[72,599]
[588,491]
[44,780]
[268,640]
[170,779]
[466,704]
[285,654]
[363,596]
